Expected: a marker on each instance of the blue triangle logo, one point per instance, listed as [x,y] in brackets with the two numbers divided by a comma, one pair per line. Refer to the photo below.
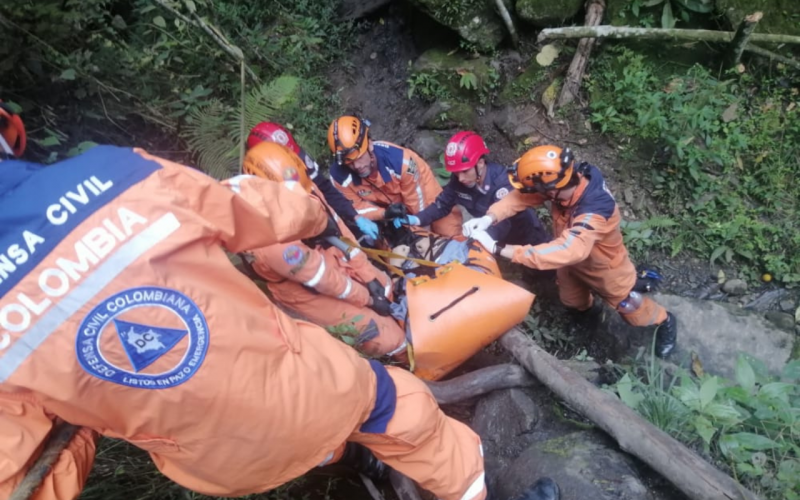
[144,344]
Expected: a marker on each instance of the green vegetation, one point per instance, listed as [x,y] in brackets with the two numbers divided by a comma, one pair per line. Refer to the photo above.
[139,73]
[724,156]
[749,427]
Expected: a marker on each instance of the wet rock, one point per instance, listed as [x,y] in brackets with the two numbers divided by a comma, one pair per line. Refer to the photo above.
[523,87]
[446,115]
[782,320]
[585,465]
[428,145]
[787,305]
[718,332]
[547,13]
[356,9]
[735,287]
[445,68]
[476,22]
[504,421]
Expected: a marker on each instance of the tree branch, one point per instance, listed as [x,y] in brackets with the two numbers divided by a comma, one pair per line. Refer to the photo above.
[743,34]
[657,34]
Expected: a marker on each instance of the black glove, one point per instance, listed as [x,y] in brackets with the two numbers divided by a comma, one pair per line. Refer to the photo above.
[395,211]
[380,304]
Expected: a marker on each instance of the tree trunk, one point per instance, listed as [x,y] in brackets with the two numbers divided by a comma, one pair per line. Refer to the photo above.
[696,478]
[41,468]
[572,84]
[658,34]
[480,382]
[743,34]
[501,7]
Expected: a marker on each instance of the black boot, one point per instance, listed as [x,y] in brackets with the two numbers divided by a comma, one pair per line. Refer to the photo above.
[666,336]
[543,489]
[362,460]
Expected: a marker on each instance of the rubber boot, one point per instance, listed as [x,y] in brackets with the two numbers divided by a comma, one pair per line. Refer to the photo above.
[361,459]
[666,336]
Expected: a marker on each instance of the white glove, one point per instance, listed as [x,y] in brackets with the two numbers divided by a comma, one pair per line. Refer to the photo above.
[478,224]
[484,239]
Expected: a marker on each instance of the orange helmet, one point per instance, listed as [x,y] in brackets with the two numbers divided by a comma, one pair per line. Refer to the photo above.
[273,161]
[543,168]
[12,131]
[348,138]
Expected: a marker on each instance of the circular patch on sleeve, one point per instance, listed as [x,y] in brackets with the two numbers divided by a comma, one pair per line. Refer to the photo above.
[501,193]
[293,255]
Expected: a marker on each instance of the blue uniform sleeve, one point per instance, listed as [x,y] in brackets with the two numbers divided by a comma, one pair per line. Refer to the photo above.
[441,207]
[336,200]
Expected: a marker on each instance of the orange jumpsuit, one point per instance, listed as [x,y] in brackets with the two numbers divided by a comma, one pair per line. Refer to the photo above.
[121,313]
[401,176]
[327,286]
[588,252]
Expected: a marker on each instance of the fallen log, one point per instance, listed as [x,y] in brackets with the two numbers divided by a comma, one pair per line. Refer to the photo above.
[742,36]
[692,475]
[479,382]
[572,84]
[59,440]
[620,32]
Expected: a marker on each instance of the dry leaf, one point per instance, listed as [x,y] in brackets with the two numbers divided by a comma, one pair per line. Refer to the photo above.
[721,277]
[797,315]
[673,84]
[547,55]
[532,139]
[730,114]
[791,106]
[697,365]
[740,68]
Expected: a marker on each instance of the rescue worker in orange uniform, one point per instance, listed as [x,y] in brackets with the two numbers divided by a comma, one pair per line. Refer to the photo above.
[588,253]
[325,284]
[273,132]
[376,174]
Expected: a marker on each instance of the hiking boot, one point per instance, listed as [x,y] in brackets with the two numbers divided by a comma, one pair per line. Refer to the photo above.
[666,336]
[362,460]
[543,489]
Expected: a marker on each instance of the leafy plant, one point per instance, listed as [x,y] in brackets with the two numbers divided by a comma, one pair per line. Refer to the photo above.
[752,424]
[723,153]
[669,10]
[427,86]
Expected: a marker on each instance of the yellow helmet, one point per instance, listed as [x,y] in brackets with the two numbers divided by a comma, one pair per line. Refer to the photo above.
[543,168]
[348,138]
[273,161]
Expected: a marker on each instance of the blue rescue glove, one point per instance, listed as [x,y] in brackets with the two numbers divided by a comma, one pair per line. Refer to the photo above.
[409,220]
[366,226]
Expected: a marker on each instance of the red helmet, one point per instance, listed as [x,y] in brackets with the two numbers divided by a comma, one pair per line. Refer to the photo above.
[463,151]
[12,130]
[272,132]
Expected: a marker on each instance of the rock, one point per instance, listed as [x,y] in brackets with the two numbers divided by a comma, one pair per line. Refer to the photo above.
[629,198]
[782,320]
[780,16]
[476,22]
[504,421]
[735,287]
[513,124]
[787,305]
[586,465]
[445,68]
[522,87]
[446,115]
[548,13]
[428,145]
[356,9]
[718,332]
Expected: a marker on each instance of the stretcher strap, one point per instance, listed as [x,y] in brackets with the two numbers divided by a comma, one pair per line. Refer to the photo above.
[455,301]
[383,257]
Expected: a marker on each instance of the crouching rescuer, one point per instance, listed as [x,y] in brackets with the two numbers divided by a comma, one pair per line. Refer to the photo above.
[588,252]
[320,278]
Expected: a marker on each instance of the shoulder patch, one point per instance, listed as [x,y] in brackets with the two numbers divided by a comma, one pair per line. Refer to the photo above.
[293,255]
[145,337]
[501,193]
